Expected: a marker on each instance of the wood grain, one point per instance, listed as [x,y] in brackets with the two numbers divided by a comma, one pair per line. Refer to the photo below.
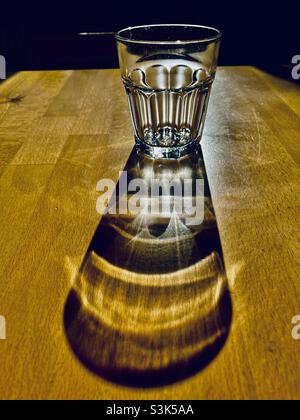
[68,130]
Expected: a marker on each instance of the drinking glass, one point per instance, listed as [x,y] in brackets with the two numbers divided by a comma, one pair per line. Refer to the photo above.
[168,71]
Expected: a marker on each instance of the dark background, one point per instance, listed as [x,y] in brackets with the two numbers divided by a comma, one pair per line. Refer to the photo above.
[46,35]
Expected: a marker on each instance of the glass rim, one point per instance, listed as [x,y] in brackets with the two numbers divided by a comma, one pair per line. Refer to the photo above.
[213,38]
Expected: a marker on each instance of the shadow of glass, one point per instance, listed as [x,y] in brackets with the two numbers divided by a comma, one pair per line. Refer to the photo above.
[151,305]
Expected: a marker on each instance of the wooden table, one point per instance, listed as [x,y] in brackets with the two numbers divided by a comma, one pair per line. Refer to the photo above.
[60,132]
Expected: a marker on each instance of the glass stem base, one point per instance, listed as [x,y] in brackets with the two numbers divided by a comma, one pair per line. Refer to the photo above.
[158,152]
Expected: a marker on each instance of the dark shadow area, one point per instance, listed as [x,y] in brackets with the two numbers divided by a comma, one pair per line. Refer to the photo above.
[47,36]
[151,305]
